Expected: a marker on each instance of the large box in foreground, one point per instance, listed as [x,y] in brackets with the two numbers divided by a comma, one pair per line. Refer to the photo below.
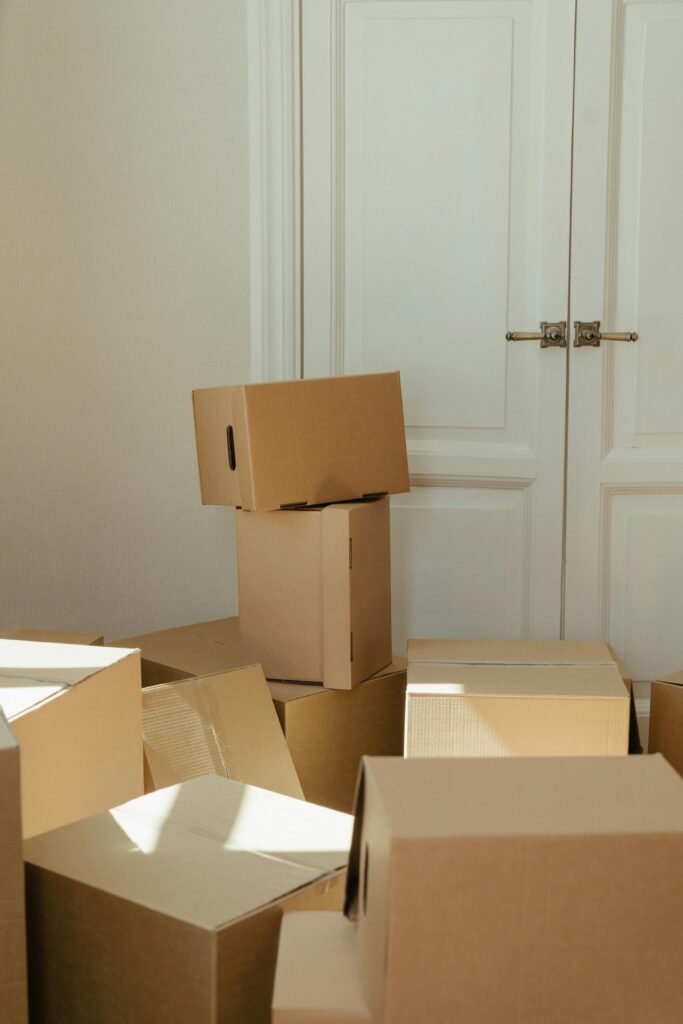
[329,731]
[315,592]
[317,980]
[168,908]
[224,723]
[502,698]
[301,442]
[666,719]
[13,989]
[76,712]
[491,890]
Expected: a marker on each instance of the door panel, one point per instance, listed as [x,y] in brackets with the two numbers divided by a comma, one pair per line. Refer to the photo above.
[625,446]
[436,183]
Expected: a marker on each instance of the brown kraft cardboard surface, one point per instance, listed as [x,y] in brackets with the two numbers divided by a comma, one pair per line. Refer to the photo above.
[13,986]
[666,719]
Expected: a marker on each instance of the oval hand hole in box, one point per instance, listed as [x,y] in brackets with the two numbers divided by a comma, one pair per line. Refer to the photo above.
[232,461]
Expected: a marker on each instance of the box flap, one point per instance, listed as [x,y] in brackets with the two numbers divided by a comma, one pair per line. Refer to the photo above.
[510,652]
[55,636]
[208,851]
[223,723]
[318,975]
[32,673]
[554,796]
[8,740]
[198,649]
[676,679]
[449,680]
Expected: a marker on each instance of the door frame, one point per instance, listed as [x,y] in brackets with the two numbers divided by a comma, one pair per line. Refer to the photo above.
[275,209]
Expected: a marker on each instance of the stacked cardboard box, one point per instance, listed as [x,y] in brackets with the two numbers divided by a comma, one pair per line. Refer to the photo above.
[168,907]
[469,698]
[489,890]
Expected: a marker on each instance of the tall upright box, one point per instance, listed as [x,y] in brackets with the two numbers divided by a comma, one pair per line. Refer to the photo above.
[315,592]
[666,719]
[13,988]
[490,890]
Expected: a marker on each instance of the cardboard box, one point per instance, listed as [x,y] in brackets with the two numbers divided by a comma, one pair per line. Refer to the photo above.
[666,719]
[187,651]
[52,636]
[223,723]
[505,698]
[76,712]
[13,987]
[491,890]
[329,731]
[168,908]
[301,442]
[315,592]
[317,979]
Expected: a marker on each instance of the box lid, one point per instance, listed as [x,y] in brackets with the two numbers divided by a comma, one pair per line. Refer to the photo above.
[55,636]
[510,652]
[449,680]
[198,649]
[676,678]
[487,797]
[208,851]
[32,673]
[318,976]
[223,723]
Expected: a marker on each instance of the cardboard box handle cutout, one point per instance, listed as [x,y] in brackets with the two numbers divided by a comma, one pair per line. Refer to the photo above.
[232,461]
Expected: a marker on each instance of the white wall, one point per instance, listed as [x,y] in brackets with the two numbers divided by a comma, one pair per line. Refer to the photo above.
[123,285]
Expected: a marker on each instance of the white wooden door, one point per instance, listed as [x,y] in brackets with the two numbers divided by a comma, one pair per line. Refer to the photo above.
[436,195]
[625,443]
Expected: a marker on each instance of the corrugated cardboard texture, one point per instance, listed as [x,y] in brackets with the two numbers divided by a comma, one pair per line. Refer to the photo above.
[315,592]
[504,896]
[477,710]
[53,636]
[187,651]
[301,442]
[666,719]
[13,988]
[317,980]
[76,712]
[225,724]
[168,908]
[329,731]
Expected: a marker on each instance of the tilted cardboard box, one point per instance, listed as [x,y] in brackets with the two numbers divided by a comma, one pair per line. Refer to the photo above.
[317,979]
[301,442]
[13,987]
[168,908]
[187,651]
[503,698]
[490,890]
[329,731]
[315,592]
[52,636]
[223,723]
[76,712]
[666,719]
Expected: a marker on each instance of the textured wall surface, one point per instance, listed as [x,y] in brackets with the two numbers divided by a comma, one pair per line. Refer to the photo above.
[123,284]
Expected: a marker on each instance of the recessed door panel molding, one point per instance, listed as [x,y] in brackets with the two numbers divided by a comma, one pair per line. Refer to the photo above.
[625,418]
[436,186]
[460,561]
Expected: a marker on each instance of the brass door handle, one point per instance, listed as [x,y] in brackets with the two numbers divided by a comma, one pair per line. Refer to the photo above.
[552,335]
[587,333]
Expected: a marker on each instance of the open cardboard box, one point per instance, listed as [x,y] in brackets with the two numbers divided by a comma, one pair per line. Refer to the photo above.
[223,723]
[168,908]
[13,986]
[469,698]
[329,731]
[76,712]
[315,592]
[301,442]
[490,890]
[317,979]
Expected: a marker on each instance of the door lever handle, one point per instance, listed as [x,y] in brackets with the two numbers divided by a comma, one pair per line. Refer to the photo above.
[587,333]
[552,335]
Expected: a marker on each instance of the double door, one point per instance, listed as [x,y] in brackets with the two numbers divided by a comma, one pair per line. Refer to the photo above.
[473,169]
